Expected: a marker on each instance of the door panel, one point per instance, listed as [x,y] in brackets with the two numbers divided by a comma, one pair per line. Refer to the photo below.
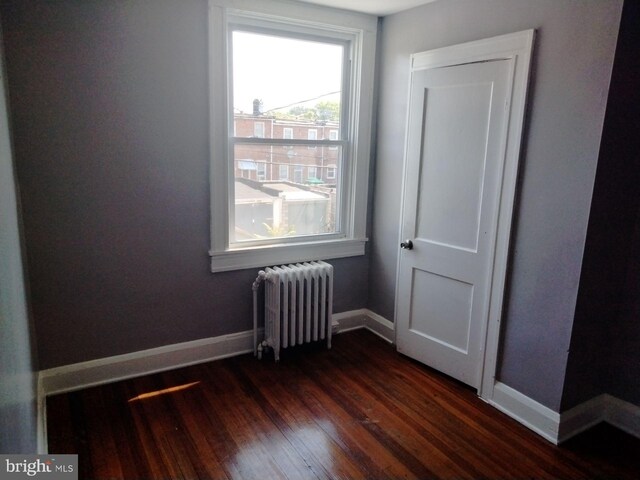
[452,171]
[455,159]
[445,309]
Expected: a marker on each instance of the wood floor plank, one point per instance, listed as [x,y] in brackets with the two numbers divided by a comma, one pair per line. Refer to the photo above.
[400,439]
[358,411]
[455,407]
[188,405]
[330,416]
[410,427]
[324,457]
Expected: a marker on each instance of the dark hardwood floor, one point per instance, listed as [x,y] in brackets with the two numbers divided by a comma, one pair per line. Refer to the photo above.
[359,410]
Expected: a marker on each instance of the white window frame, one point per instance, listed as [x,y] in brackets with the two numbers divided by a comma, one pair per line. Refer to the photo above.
[333,169]
[311,169]
[286,130]
[359,31]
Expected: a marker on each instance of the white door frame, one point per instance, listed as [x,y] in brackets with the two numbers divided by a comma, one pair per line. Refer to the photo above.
[517,48]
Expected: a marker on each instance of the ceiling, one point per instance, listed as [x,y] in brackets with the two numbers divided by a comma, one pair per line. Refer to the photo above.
[373,7]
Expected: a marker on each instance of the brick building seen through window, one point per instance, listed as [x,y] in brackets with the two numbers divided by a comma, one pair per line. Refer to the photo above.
[323,160]
[284,189]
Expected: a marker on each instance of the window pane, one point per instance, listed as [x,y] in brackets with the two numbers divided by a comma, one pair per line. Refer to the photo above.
[280,79]
[284,193]
[258,129]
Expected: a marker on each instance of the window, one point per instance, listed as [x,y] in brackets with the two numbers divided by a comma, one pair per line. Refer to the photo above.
[261,171]
[258,129]
[312,134]
[333,135]
[329,61]
[331,172]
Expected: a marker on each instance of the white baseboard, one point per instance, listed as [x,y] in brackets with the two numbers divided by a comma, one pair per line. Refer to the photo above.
[603,408]
[560,427]
[582,417]
[351,320]
[145,362]
[623,415]
[365,318]
[120,367]
[533,415]
[380,326]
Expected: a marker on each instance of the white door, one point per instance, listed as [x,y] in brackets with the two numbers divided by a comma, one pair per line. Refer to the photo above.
[454,169]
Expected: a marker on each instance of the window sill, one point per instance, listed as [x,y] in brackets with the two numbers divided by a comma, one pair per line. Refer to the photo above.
[257,257]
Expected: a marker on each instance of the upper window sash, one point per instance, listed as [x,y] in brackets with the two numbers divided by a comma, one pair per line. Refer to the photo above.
[238,22]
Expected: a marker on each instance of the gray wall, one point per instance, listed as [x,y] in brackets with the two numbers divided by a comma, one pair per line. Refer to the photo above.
[605,343]
[622,142]
[110,113]
[571,69]
[17,362]
[623,366]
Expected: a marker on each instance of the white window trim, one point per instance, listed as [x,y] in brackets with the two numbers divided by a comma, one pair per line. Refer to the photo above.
[331,168]
[313,169]
[286,130]
[361,30]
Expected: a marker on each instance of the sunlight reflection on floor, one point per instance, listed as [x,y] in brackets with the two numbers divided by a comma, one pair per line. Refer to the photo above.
[164,391]
[315,439]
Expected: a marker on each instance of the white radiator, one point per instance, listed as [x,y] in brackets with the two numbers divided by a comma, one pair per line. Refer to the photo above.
[298,305]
